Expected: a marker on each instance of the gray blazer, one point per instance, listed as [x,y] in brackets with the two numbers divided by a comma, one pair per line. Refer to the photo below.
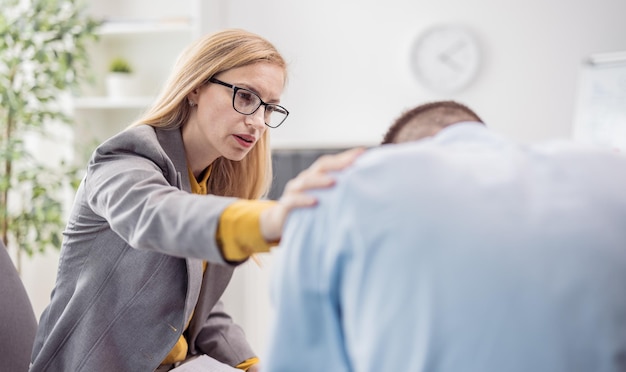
[17,318]
[130,271]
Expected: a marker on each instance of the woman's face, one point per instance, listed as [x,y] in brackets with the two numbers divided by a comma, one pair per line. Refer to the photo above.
[215,129]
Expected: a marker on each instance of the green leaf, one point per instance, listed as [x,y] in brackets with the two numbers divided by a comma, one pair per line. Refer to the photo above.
[43,53]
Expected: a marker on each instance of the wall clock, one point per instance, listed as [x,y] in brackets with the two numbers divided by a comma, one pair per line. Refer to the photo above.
[446,58]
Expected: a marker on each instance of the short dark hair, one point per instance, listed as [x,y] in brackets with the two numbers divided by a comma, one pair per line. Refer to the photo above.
[427,119]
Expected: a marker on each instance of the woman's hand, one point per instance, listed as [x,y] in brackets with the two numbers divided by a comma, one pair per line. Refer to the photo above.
[294,196]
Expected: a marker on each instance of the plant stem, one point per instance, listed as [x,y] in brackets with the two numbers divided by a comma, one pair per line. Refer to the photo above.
[8,167]
[7,172]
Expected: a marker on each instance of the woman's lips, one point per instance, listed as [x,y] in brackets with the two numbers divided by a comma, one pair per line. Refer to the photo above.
[244,139]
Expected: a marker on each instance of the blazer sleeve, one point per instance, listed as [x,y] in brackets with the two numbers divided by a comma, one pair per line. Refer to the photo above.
[222,339]
[133,184]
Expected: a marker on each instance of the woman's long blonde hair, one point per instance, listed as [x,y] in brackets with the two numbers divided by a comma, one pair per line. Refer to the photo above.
[251,177]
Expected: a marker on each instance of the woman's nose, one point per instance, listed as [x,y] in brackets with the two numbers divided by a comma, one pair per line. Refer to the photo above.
[257,118]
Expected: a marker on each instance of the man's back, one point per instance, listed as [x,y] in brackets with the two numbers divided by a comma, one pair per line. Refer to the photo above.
[461,253]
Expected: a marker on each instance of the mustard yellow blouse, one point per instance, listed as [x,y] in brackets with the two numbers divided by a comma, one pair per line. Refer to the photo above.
[239,236]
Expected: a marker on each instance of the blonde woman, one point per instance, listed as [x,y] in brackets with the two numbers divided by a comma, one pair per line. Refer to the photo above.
[165,212]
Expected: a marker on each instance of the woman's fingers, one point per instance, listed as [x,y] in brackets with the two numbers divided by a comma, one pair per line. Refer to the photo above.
[295,196]
[307,180]
[335,162]
[317,175]
[297,200]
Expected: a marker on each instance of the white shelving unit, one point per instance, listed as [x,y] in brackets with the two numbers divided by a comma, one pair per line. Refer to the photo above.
[89,103]
[130,27]
[150,34]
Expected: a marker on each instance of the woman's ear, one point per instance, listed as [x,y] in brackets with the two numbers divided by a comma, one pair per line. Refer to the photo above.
[193,97]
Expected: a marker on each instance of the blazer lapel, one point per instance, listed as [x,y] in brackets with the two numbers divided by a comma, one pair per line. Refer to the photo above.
[172,142]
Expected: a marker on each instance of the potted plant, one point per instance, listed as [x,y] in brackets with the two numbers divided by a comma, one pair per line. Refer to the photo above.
[42,57]
[120,65]
[120,81]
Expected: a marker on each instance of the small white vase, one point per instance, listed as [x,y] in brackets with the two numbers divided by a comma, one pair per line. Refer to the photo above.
[121,85]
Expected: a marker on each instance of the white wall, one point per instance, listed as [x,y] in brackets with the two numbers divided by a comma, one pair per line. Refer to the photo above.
[350,76]
[350,73]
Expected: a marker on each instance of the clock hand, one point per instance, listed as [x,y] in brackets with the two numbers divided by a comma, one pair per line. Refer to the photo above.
[454,48]
[443,57]
[446,55]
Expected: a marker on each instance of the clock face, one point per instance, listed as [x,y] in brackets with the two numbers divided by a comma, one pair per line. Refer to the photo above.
[446,58]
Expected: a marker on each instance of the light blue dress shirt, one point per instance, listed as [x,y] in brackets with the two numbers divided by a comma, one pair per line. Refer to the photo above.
[463,252]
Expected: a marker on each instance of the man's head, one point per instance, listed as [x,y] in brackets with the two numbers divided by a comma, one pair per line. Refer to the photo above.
[428,119]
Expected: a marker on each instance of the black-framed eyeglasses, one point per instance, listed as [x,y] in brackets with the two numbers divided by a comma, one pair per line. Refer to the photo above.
[246,102]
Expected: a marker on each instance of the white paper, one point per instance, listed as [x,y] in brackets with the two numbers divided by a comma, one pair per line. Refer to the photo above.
[205,364]
[600,116]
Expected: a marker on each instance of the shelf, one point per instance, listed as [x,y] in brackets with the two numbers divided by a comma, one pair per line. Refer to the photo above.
[129,27]
[86,103]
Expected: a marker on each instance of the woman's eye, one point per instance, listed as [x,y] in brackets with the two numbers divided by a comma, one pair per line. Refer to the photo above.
[246,97]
